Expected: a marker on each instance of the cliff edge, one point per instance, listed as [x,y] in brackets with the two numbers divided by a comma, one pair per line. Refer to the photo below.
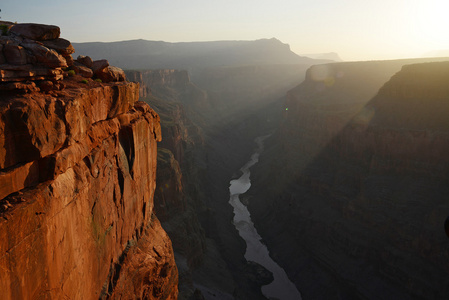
[77,177]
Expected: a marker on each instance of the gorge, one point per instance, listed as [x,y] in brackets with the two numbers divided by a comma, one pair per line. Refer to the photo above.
[280,286]
[334,99]
[114,188]
[362,196]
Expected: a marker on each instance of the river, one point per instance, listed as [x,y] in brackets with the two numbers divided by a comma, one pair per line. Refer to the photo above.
[281,288]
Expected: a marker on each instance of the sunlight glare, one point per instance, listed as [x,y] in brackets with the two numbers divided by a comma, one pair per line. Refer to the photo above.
[429,23]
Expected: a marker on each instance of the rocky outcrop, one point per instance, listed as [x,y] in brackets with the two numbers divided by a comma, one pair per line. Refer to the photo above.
[32,52]
[360,191]
[77,180]
[148,271]
[35,52]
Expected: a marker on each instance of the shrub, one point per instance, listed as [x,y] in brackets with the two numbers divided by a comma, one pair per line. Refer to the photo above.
[84,81]
[98,80]
[4,29]
[71,72]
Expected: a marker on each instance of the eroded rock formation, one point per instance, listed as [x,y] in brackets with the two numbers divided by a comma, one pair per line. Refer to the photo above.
[35,52]
[77,179]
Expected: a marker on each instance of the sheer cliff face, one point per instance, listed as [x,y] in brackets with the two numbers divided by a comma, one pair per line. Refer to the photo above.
[360,191]
[178,196]
[77,179]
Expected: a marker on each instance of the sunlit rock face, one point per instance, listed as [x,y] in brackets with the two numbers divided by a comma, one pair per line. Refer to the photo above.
[361,187]
[36,52]
[77,180]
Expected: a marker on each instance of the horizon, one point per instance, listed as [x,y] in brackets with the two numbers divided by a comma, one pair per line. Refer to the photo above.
[355,31]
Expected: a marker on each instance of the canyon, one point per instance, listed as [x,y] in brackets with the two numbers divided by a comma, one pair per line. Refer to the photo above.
[331,111]
[217,114]
[351,197]
[115,184]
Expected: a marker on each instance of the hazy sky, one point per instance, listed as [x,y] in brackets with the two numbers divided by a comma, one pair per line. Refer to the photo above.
[355,29]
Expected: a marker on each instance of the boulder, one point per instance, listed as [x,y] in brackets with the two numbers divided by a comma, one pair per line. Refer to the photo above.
[39,32]
[82,70]
[69,60]
[111,73]
[99,65]
[15,54]
[62,46]
[48,57]
[85,60]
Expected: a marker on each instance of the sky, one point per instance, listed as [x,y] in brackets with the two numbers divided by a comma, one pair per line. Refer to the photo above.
[355,29]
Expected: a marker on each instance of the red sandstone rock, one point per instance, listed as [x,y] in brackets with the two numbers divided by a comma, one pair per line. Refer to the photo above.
[85,60]
[36,45]
[82,70]
[111,73]
[69,60]
[21,86]
[77,179]
[62,46]
[40,32]
[45,124]
[84,199]
[15,54]
[28,72]
[46,86]
[150,270]
[48,57]
[99,65]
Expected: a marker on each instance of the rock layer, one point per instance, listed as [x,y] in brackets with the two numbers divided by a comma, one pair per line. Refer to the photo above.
[81,193]
[77,179]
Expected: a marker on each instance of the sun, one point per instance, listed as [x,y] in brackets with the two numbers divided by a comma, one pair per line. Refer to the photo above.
[427,23]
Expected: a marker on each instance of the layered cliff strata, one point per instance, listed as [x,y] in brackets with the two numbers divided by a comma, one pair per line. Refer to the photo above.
[359,196]
[77,180]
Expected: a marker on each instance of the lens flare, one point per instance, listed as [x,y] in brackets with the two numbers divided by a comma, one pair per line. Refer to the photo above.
[320,72]
[323,74]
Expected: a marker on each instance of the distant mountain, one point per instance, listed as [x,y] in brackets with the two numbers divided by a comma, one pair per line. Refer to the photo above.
[329,56]
[143,54]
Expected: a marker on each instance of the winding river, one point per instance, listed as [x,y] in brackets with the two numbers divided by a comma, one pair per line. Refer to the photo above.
[281,288]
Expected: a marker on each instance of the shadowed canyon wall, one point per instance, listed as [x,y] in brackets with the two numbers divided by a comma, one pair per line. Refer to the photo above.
[193,161]
[352,196]
[178,195]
